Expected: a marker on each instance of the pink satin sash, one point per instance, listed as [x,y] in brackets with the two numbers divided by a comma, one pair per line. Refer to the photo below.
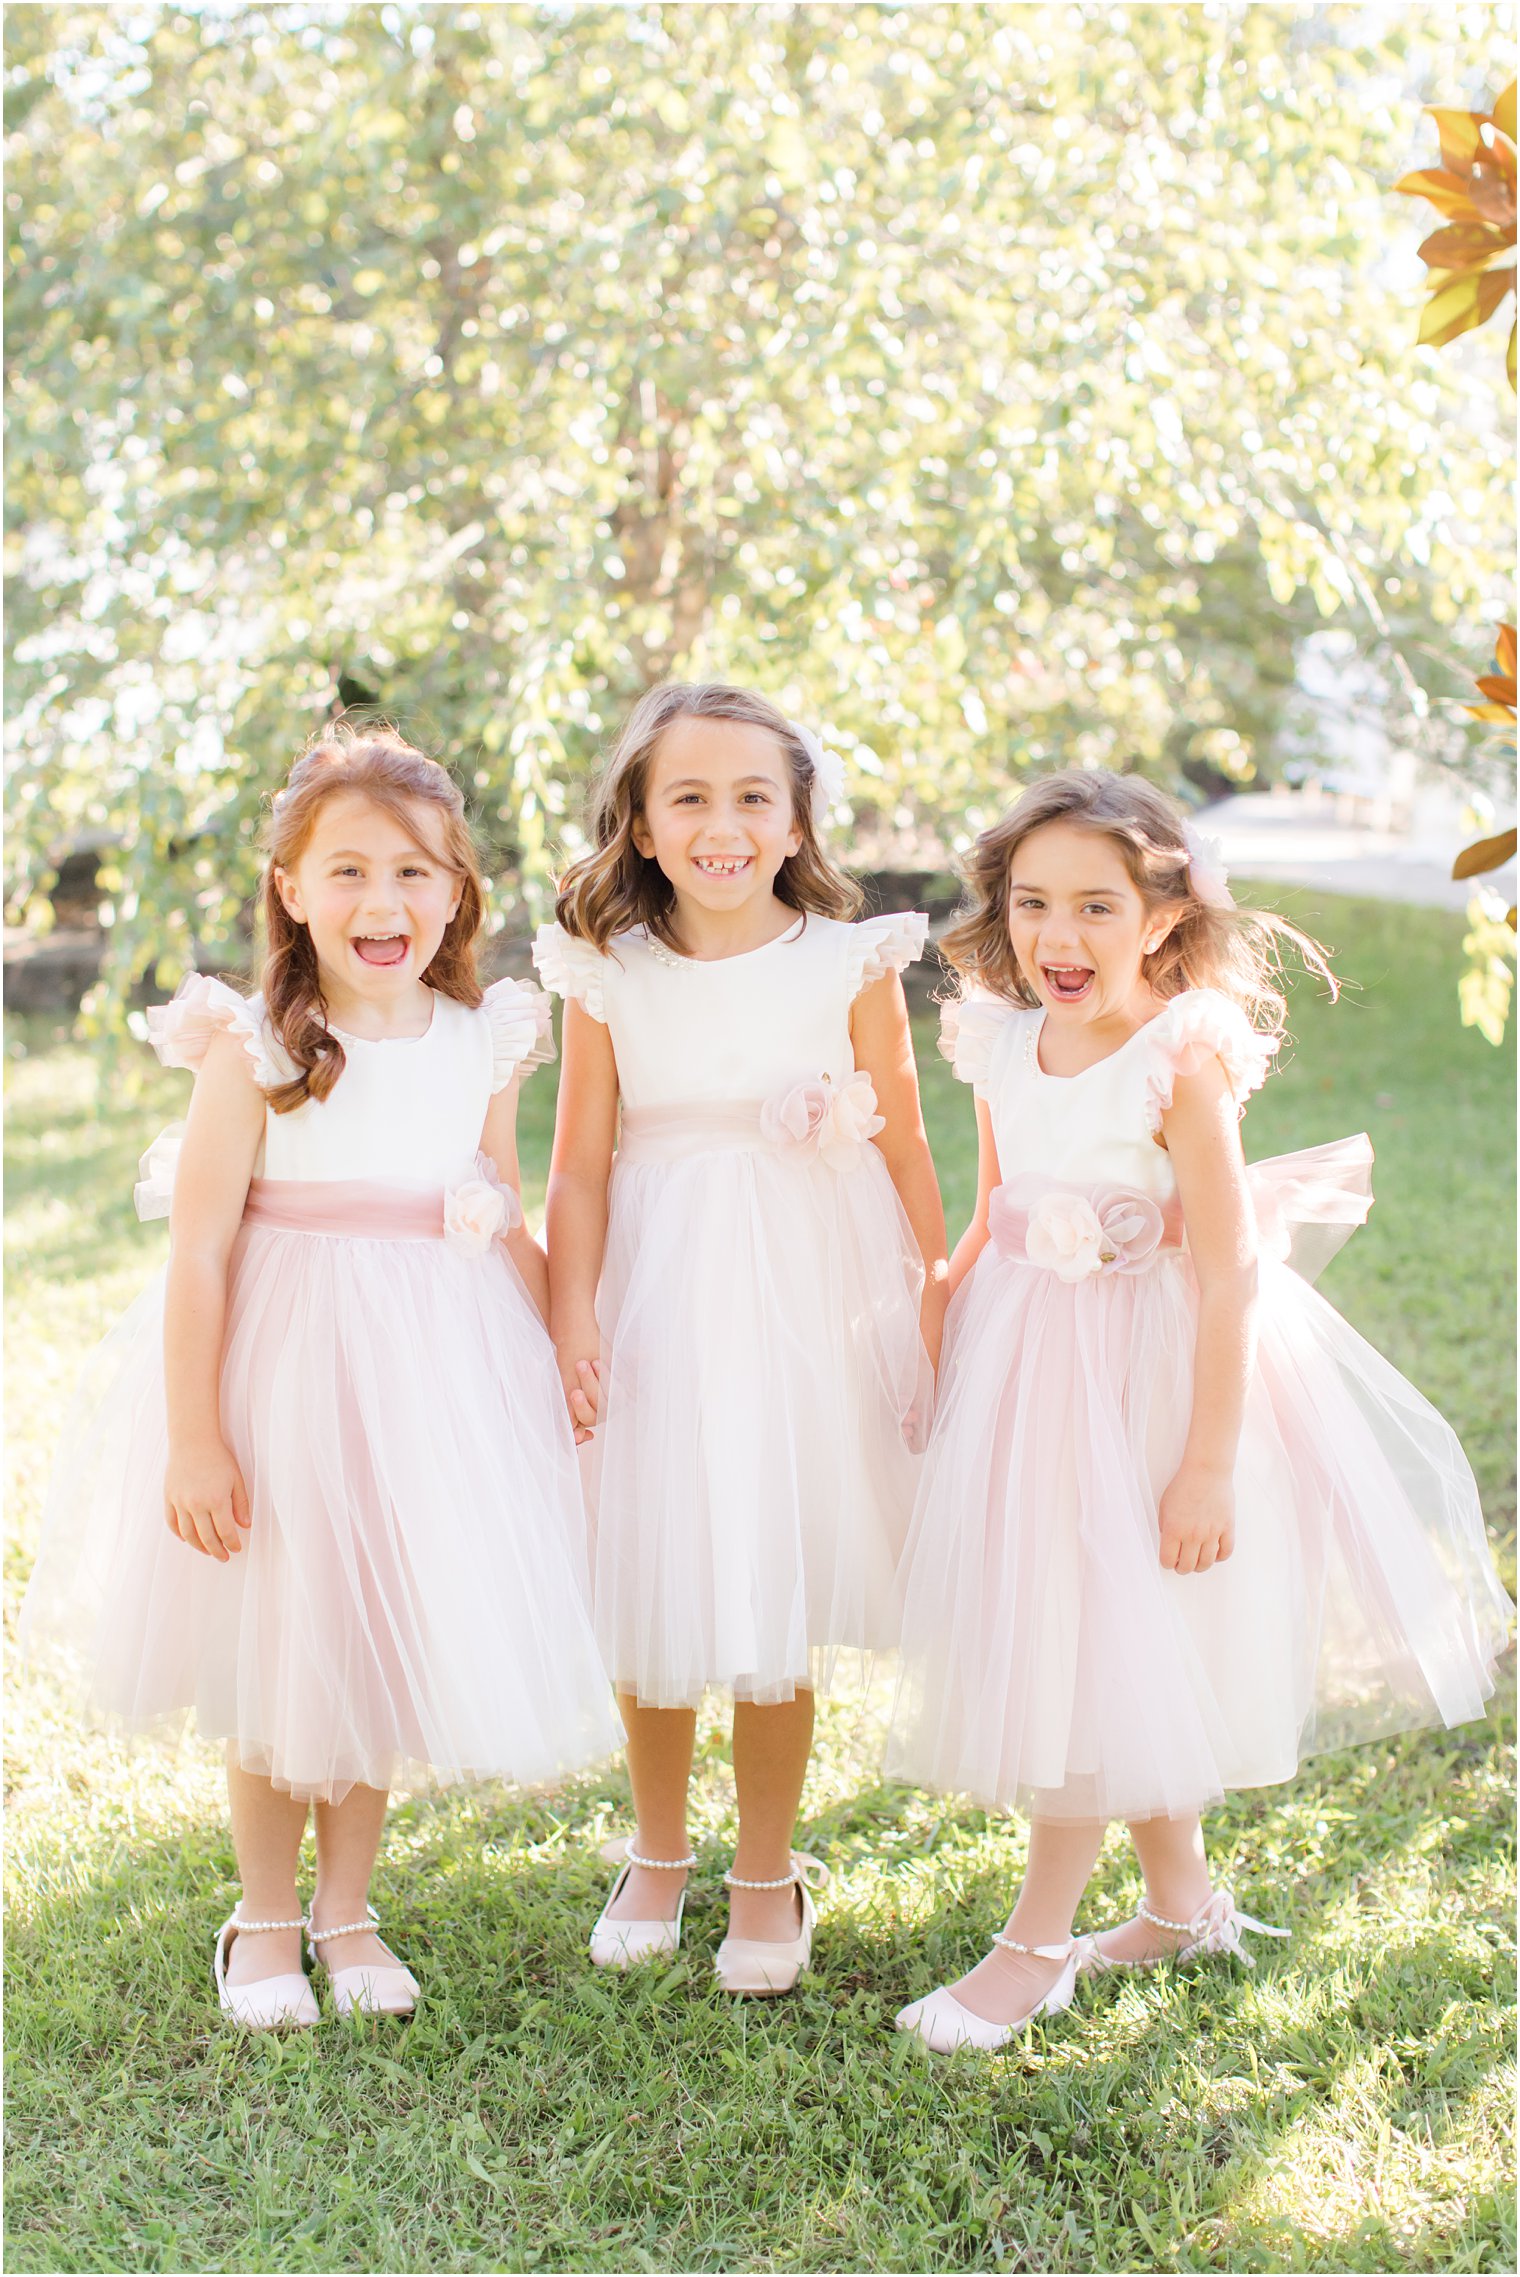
[668,1134]
[1308,1205]
[361,1208]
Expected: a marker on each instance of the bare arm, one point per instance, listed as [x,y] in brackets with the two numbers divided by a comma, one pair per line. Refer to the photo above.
[585,1128]
[883,1044]
[205,1501]
[989,1177]
[1202,1134]
[498,1141]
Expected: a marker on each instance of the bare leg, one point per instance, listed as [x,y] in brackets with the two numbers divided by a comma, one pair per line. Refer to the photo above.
[1062,1854]
[267,1827]
[348,1841]
[1171,1855]
[660,1743]
[771,1750]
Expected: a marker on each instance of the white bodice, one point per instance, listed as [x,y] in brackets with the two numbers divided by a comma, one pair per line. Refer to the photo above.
[405,1111]
[1100,1127]
[738,1029]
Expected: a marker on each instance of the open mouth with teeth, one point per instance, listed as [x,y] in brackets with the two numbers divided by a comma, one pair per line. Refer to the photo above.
[380,948]
[1068,984]
[722,866]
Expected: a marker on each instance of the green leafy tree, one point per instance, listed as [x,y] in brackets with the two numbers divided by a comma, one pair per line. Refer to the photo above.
[1002,386]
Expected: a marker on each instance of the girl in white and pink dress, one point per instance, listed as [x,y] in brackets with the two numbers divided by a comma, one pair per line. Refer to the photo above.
[1179,1525]
[741,1295]
[319,1490]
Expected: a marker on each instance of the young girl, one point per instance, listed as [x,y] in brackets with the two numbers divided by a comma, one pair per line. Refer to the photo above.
[323,1493]
[743,1313]
[1178,1524]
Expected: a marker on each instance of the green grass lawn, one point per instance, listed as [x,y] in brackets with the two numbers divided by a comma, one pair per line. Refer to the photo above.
[1346,2106]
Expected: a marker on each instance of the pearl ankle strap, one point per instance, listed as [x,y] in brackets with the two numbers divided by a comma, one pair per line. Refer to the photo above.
[344,1929]
[262,1928]
[811,1872]
[661,1865]
[1041,1952]
[1159,1921]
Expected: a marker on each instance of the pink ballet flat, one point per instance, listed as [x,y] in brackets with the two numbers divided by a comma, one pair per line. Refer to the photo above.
[270,2004]
[758,1968]
[944,2024]
[366,1989]
[1215,1928]
[624,1944]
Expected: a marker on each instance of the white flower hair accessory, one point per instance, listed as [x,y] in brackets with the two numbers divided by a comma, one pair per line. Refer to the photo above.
[1207,874]
[828,771]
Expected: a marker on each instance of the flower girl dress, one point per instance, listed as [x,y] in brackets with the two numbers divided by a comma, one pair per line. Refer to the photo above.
[1049,1659]
[763,1372]
[410,1596]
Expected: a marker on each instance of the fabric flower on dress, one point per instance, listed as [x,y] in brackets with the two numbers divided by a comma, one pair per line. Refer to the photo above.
[1074,1238]
[478,1212]
[828,771]
[1207,874]
[831,1120]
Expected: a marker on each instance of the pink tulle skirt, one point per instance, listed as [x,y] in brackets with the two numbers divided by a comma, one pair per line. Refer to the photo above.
[410,1603]
[1050,1661]
[766,1390]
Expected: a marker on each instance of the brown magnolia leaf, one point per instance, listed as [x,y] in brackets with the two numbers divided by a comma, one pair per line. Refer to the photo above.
[1461,136]
[1485,854]
[1501,691]
[1471,300]
[1463,245]
[1509,917]
[1446,192]
[1498,155]
[1505,650]
[1504,112]
[1503,715]
[1491,194]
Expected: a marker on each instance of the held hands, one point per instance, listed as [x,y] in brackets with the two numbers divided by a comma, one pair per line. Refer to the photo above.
[205,1500]
[581,1378]
[1197,1520]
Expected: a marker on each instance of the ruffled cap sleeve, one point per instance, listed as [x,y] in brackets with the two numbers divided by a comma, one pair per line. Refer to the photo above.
[203,1007]
[1199,1026]
[522,1036]
[879,945]
[970,1029]
[571,967]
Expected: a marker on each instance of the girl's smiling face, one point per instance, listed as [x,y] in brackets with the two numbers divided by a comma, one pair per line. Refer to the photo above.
[374,893]
[717,814]
[1078,924]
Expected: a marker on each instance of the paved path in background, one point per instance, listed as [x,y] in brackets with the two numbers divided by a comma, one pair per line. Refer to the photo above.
[1300,841]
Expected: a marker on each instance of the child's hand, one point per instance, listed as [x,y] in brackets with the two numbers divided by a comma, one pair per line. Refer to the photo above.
[582,1381]
[205,1500]
[1197,1520]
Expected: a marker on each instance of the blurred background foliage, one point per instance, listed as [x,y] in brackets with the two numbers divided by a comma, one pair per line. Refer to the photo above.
[1003,387]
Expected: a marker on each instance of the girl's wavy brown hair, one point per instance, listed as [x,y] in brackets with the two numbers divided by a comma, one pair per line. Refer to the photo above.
[371,762]
[1237,951]
[615,887]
